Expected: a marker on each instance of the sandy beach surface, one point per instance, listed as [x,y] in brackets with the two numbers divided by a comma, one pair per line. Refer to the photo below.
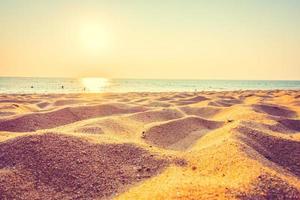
[204,145]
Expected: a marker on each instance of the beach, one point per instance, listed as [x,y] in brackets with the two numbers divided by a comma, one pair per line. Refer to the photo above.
[242,144]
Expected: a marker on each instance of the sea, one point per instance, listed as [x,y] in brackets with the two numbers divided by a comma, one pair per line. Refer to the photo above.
[29,85]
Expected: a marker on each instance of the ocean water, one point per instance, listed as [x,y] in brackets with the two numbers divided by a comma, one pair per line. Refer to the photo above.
[79,85]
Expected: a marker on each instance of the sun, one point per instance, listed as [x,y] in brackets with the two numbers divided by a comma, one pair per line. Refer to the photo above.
[94,84]
[94,38]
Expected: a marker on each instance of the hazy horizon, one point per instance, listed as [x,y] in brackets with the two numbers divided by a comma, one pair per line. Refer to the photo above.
[207,40]
[116,78]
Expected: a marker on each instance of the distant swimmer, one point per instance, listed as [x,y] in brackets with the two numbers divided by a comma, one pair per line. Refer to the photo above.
[62,87]
[32,86]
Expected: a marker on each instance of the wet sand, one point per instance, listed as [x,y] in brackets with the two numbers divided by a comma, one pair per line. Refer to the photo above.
[204,145]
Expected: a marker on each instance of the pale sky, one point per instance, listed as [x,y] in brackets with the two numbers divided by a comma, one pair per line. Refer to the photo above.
[185,39]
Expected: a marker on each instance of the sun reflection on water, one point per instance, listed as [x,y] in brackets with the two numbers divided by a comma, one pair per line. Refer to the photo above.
[94,84]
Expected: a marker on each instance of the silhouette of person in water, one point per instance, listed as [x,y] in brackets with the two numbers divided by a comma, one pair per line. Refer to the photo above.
[62,87]
[32,86]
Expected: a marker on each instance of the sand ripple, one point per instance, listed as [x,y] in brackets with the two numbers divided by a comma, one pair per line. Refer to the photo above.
[185,145]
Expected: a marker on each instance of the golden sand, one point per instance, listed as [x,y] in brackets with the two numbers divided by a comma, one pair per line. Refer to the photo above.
[205,145]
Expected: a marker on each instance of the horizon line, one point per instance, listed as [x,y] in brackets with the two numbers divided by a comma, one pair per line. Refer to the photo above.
[205,79]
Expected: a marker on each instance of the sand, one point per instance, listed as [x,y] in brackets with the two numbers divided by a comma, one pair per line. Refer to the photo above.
[176,145]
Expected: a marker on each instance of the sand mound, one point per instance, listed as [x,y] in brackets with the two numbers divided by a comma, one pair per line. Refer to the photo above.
[140,100]
[36,121]
[205,112]
[54,166]
[180,95]
[179,134]
[291,124]
[43,104]
[114,126]
[157,115]
[274,110]
[9,106]
[296,103]
[4,114]
[19,101]
[268,186]
[225,102]
[196,99]
[286,126]
[157,104]
[64,102]
[125,100]
[226,97]
[190,100]
[89,129]
[163,99]
[285,153]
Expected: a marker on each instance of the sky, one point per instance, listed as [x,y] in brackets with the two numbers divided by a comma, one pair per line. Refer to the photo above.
[169,39]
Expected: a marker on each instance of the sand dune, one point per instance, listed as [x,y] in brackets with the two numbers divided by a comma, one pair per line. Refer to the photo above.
[292,124]
[283,126]
[205,112]
[268,186]
[190,100]
[64,102]
[87,171]
[89,129]
[112,126]
[274,110]
[180,133]
[196,99]
[157,115]
[224,102]
[174,145]
[6,113]
[283,152]
[43,104]
[46,120]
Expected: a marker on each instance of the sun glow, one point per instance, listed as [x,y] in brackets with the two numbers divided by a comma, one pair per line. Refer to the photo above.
[94,37]
[94,84]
